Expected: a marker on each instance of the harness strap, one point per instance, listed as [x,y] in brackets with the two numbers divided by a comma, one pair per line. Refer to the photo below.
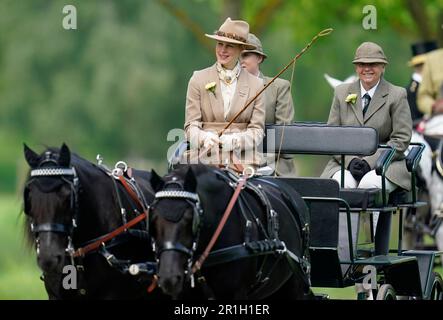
[229,178]
[245,250]
[198,264]
[244,206]
[303,264]
[130,191]
[81,279]
[270,213]
[124,266]
[51,227]
[119,239]
[95,245]
[119,201]
[260,248]
[302,221]
[171,246]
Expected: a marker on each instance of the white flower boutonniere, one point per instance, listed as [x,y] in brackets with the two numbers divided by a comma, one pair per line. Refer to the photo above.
[351,98]
[211,87]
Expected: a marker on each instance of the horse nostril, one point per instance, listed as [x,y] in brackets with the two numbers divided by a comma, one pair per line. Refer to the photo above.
[50,263]
[171,285]
[178,279]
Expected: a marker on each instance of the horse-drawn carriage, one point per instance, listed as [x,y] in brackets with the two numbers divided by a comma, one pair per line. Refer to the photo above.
[218,235]
[344,239]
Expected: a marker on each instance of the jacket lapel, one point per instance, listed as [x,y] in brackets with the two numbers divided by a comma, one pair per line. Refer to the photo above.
[240,95]
[378,100]
[216,100]
[357,106]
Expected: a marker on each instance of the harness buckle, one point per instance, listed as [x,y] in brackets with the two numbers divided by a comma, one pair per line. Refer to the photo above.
[121,165]
[119,169]
[283,249]
[249,172]
[117,172]
[99,159]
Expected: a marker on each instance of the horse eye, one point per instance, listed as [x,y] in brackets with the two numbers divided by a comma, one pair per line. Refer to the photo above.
[64,191]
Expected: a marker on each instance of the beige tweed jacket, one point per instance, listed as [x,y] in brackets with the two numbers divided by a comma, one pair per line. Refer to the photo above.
[279,110]
[204,111]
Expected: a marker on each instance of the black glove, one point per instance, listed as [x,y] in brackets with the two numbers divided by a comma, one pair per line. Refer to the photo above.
[358,168]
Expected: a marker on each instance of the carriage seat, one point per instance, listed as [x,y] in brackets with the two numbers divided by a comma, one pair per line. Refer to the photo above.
[373,198]
[362,198]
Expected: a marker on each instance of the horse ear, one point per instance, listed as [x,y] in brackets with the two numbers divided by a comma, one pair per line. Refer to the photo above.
[31,157]
[157,182]
[64,158]
[190,181]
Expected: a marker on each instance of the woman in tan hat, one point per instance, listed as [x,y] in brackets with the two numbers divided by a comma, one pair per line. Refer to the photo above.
[216,94]
[278,102]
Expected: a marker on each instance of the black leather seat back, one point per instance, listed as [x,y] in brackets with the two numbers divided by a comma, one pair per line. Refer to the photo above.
[321,139]
[323,215]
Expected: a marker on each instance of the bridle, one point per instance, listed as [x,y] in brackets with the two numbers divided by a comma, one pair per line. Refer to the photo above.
[194,201]
[69,176]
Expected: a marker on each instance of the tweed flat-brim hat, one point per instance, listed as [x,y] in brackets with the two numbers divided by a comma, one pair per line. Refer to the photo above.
[369,52]
[233,31]
[252,39]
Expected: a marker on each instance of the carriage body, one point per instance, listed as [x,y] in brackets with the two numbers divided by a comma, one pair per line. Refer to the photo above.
[343,242]
[342,219]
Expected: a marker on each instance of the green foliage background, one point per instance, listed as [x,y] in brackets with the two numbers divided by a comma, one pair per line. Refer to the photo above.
[117,85]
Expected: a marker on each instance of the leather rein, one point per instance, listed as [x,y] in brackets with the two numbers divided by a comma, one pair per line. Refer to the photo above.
[69,175]
[96,244]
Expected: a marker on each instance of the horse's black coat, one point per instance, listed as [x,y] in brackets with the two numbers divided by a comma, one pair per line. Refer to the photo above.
[240,279]
[49,200]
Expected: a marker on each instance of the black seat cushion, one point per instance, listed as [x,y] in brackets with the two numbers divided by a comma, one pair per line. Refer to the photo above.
[362,198]
[373,198]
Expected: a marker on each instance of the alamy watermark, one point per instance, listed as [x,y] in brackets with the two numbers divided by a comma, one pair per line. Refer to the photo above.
[370,20]
[247,147]
[370,280]
[69,21]
[70,280]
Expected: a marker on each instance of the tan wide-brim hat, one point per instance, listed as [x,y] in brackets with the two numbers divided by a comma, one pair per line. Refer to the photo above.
[233,31]
[369,52]
[252,39]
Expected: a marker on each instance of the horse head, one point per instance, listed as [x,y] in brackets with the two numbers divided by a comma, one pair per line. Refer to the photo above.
[175,222]
[50,198]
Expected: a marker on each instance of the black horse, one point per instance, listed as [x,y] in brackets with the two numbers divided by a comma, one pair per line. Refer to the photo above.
[69,201]
[262,249]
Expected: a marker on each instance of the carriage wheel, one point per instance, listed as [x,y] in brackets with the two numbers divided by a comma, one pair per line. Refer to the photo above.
[386,292]
[437,288]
